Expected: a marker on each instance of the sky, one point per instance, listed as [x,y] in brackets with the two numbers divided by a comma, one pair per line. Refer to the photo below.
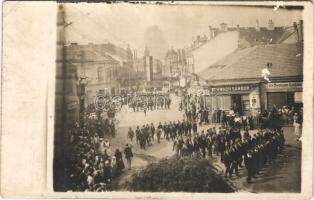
[161,26]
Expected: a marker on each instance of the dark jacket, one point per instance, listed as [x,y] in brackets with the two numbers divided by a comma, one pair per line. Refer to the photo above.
[128,152]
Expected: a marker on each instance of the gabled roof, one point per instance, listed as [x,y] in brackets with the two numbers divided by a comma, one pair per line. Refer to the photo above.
[286,59]
[225,62]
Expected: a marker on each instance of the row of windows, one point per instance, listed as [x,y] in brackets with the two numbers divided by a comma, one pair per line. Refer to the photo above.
[110,73]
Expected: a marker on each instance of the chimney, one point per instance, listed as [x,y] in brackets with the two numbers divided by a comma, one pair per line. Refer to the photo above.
[223,27]
[271,25]
[211,32]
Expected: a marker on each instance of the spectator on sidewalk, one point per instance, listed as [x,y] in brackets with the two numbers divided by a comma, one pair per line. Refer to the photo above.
[296,124]
[119,160]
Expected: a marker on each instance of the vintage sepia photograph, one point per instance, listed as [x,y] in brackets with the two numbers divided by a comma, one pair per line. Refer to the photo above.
[193,98]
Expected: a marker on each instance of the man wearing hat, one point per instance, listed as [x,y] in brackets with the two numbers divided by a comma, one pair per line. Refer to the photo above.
[248,161]
[131,134]
[128,155]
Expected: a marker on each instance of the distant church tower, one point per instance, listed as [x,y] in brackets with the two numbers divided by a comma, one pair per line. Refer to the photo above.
[146,52]
[148,65]
[129,57]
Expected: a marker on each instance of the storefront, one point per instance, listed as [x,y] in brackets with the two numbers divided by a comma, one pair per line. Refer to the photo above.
[243,99]
[283,94]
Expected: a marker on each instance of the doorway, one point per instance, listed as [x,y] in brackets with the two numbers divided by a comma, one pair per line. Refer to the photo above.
[236,103]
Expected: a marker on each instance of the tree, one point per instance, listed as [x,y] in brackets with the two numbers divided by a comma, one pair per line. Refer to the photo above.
[179,174]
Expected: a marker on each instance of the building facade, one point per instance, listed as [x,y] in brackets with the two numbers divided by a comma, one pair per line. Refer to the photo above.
[100,70]
[236,82]
[202,56]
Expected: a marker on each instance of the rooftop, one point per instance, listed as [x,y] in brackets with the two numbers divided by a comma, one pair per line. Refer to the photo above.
[286,59]
[89,56]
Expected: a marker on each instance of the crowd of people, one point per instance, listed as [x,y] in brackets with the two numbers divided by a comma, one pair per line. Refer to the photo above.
[91,162]
[102,124]
[277,117]
[91,165]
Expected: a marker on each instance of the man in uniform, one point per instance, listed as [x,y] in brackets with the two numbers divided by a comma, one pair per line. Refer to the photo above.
[130,134]
[137,134]
[166,131]
[128,155]
[226,162]
[159,125]
[147,135]
[248,161]
[152,130]
[158,134]
[202,143]
[179,128]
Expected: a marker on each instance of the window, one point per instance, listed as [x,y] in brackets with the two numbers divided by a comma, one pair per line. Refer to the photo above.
[100,74]
[222,102]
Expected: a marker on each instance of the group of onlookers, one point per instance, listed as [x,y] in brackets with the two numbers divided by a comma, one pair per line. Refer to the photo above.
[91,162]
[276,118]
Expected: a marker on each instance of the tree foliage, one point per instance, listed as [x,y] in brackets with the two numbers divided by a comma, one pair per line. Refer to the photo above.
[184,174]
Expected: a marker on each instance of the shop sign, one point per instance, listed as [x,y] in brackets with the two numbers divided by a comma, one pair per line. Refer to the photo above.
[239,88]
[254,100]
[284,86]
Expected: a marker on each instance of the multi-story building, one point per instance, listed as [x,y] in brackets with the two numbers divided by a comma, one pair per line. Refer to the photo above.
[237,81]
[224,40]
[123,56]
[151,66]
[101,72]
[201,56]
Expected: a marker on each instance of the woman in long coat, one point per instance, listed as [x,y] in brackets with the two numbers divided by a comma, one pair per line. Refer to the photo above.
[119,160]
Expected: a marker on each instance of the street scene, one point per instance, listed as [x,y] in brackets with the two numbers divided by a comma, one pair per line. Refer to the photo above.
[178,99]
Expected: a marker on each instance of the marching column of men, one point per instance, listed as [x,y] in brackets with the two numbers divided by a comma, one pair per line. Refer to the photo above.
[146,134]
[149,102]
[234,150]
[256,152]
